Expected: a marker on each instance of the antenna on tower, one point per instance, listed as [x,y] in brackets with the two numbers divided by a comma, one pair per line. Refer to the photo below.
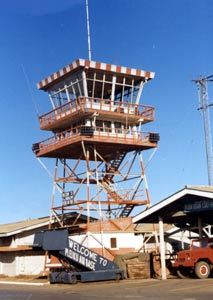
[203,102]
[88,31]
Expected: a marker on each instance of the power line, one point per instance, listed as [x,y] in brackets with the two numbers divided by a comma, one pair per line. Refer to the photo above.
[30,90]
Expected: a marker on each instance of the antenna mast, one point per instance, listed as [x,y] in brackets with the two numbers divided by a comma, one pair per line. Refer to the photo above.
[203,102]
[88,31]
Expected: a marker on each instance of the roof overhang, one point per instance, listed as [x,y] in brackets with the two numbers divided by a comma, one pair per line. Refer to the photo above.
[88,64]
[33,224]
[181,208]
[10,232]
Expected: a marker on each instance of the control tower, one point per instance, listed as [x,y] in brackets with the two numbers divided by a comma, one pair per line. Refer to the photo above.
[96,141]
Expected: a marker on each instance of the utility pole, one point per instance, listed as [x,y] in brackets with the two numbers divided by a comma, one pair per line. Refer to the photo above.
[203,104]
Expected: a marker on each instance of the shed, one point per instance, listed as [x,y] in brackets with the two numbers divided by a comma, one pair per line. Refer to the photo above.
[16,239]
[190,208]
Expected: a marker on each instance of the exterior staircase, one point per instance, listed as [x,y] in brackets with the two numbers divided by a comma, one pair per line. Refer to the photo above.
[114,166]
[125,212]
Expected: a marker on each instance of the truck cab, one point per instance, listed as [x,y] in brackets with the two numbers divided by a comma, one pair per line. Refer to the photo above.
[198,259]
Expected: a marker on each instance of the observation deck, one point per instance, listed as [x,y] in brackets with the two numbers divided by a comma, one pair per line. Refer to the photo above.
[83,107]
[68,144]
[95,105]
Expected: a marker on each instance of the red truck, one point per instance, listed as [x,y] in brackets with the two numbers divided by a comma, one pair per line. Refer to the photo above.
[197,260]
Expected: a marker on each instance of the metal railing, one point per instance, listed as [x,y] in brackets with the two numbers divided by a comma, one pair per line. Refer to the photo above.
[106,134]
[83,103]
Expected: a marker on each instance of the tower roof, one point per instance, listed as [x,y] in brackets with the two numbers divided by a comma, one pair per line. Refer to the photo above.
[87,64]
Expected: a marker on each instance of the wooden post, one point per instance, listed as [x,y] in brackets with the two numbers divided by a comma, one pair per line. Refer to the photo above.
[200,231]
[162,249]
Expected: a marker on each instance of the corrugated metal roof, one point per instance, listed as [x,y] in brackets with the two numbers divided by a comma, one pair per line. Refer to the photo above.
[150,227]
[11,228]
[16,227]
[202,188]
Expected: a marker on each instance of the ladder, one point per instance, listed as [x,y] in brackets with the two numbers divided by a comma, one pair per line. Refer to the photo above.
[114,166]
[126,211]
[111,168]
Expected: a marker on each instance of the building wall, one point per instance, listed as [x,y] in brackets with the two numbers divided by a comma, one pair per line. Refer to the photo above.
[29,264]
[24,239]
[8,263]
[115,241]
[21,263]
[13,263]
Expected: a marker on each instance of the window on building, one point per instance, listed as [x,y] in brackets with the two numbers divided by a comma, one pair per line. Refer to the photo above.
[113,243]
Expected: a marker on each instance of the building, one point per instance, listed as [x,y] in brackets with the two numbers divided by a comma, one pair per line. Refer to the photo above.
[16,255]
[190,209]
[16,239]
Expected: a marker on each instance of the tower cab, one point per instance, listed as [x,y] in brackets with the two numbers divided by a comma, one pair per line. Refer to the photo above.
[96,103]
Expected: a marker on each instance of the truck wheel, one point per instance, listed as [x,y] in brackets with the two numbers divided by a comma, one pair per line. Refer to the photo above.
[74,279]
[183,272]
[117,276]
[202,270]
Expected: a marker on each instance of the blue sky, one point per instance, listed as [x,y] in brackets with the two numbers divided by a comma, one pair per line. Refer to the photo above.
[173,38]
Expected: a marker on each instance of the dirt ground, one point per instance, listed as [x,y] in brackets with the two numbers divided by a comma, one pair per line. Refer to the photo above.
[25,278]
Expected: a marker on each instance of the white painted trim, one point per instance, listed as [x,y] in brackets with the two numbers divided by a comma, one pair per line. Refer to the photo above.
[171,199]
[22,283]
